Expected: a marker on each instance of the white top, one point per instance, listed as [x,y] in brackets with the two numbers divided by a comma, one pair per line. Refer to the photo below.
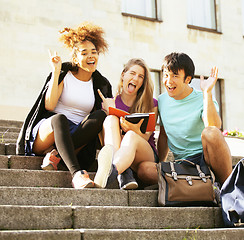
[77,98]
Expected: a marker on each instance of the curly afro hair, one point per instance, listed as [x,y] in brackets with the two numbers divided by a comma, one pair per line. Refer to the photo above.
[84,32]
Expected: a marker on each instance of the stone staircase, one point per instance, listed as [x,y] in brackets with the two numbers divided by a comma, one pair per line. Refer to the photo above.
[36,204]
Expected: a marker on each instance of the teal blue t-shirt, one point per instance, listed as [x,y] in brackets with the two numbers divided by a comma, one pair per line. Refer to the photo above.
[183,124]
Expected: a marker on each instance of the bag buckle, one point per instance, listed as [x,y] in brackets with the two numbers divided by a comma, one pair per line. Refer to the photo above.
[203,177]
[174,175]
[189,180]
[173,172]
[201,174]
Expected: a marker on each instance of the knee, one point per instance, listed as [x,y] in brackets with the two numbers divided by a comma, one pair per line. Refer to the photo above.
[111,121]
[147,172]
[130,139]
[142,170]
[131,135]
[58,119]
[211,135]
[95,120]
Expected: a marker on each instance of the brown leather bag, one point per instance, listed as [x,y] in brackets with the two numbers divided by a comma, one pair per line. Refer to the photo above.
[183,183]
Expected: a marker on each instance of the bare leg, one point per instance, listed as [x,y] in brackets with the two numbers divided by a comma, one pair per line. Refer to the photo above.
[217,153]
[147,172]
[133,150]
[112,133]
[130,152]
[44,139]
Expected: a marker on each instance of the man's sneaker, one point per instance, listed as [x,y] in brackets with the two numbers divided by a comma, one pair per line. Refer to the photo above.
[104,160]
[127,181]
[51,160]
[81,180]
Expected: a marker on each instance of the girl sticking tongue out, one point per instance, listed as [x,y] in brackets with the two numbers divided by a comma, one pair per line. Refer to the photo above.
[125,150]
[132,81]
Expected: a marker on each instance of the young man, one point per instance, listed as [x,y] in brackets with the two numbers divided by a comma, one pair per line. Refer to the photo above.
[189,120]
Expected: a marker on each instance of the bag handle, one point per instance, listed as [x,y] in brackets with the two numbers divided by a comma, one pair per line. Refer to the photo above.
[200,173]
[184,160]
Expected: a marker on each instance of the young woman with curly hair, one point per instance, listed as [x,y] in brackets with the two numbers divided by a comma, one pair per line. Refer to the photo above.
[67,117]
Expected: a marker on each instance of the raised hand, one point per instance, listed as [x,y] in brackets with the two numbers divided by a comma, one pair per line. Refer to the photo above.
[107,102]
[208,84]
[55,60]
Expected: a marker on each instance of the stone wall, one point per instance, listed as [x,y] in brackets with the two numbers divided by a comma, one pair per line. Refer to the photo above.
[30,27]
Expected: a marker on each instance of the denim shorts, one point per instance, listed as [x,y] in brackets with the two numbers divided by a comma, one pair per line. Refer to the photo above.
[197,159]
[29,145]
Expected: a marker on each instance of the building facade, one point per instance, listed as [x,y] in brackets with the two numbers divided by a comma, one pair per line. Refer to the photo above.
[209,31]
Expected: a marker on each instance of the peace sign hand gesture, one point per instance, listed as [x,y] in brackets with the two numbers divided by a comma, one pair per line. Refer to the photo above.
[55,60]
[208,84]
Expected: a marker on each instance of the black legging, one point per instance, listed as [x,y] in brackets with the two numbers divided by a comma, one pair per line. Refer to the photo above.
[85,133]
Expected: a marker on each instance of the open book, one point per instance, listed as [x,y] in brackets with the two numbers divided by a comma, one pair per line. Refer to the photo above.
[148,124]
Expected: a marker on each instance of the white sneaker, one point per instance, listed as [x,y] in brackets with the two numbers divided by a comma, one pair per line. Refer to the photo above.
[81,180]
[51,161]
[105,158]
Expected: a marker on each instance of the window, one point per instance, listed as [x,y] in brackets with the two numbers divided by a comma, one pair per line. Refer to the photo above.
[156,78]
[243,18]
[216,92]
[202,14]
[147,9]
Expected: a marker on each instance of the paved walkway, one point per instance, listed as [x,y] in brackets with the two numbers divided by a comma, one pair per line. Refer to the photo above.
[236,146]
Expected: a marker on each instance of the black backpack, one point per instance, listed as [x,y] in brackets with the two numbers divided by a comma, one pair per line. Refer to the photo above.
[232,197]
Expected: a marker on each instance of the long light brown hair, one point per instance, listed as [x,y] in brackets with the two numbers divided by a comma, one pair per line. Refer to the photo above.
[144,99]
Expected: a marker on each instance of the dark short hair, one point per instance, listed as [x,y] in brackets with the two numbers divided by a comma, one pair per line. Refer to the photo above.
[179,61]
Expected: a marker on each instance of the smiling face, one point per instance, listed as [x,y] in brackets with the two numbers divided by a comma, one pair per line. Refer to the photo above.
[176,84]
[86,57]
[133,79]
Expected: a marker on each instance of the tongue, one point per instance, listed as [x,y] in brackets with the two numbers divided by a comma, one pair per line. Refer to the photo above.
[131,88]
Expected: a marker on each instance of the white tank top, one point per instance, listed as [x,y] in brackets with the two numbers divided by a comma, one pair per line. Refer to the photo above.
[77,98]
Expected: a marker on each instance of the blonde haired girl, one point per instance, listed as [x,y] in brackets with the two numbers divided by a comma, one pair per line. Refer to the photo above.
[124,153]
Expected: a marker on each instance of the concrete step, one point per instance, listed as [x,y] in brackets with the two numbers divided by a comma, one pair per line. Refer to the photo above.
[8,148]
[11,123]
[43,205]
[6,136]
[22,162]
[47,196]
[60,234]
[34,162]
[35,178]
[4,130]
[107,217]
[159,234]
[9,140]
[122,234]
[35,217]
[25,162]
[40,178]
